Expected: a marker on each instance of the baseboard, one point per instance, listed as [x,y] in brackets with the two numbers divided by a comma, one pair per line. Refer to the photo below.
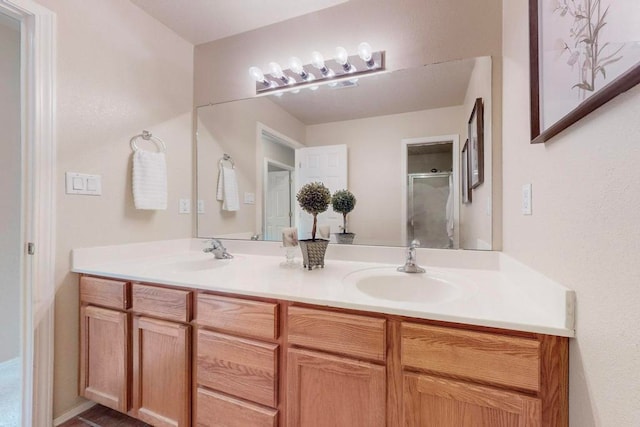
[73,412]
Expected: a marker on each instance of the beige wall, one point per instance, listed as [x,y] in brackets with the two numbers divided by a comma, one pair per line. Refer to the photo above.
[232,128]
[584,230]
[375,182]
[10,170]
[119,72]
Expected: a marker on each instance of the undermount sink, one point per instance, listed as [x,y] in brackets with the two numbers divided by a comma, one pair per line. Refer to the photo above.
[389,284]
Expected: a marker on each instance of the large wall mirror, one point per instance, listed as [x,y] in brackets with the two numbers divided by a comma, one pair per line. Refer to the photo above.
[395,140]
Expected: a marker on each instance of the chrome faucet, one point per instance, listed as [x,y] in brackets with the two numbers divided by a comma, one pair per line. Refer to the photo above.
[410,265]
[218,250]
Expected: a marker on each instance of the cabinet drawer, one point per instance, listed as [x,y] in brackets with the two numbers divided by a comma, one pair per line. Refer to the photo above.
[353,335]
[493,358]
[217,410]
[104,292]
[238,366]
[170,304]
[239,316]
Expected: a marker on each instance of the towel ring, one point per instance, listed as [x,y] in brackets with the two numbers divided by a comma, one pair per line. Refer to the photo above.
[147,136]
[226,158]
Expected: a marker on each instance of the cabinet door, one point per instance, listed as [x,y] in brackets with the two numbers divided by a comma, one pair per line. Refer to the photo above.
[438,402]
[104,349]
[324,390]
[161,372]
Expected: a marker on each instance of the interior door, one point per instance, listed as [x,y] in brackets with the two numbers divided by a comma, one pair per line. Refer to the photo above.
[278,204]
[326,164]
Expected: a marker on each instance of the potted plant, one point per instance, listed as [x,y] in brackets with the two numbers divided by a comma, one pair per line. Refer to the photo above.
[313,198]
[343,201]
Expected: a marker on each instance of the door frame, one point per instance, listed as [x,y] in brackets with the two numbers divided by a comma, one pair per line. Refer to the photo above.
[265,188]
[404,151]
[38,140]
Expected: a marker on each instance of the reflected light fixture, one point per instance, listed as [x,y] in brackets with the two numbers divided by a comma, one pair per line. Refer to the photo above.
[338,72]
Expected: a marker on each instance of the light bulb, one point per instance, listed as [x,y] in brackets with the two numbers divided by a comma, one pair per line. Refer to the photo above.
[296,65]
[276,70]
[317,60]
[256,74]
[366,54]
[364,51]
[342,56]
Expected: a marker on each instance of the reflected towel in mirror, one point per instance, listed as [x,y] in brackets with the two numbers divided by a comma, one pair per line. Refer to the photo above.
[227,190]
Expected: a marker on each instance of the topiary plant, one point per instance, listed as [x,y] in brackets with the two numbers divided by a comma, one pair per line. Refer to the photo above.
[314,198]
[343,201]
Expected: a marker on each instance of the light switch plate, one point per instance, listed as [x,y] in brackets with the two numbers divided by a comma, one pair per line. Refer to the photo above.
[185,206]
[200,206]
[249,198]
[526,199]
[83,184]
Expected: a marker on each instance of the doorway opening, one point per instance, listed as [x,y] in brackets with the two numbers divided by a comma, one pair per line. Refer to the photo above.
[431,197]
[11,357]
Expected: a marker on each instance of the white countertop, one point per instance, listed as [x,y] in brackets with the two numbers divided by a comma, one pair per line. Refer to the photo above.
[496,291]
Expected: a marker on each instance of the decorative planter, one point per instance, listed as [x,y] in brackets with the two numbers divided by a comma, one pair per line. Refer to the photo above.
[313,252]
[345,238]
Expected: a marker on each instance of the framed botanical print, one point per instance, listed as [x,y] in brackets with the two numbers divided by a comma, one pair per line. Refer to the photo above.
[583,53]
[464,174]
[476,144]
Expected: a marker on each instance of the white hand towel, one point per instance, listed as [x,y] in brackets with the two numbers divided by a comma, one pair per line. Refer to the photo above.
[149,180]
[231,200]
[220,191]
[449,209]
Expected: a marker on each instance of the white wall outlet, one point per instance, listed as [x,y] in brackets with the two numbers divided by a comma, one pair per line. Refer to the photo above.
[185,206]
[249,198]
[82,183]
[200,206]
[526,199]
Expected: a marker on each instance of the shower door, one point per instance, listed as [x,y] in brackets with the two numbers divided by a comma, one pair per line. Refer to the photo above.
[429,219]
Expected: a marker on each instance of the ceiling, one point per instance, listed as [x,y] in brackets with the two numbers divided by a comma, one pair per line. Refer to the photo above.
[202,21]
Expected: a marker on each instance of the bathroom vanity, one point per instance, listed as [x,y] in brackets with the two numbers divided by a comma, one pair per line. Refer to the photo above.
[180,339]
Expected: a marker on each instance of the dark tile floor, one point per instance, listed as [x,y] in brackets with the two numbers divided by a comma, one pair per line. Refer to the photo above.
[100,416]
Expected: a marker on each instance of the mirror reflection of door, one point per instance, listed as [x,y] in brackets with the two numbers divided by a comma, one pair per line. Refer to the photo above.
[326,164]
[278,182]
[278,199]
[430,197]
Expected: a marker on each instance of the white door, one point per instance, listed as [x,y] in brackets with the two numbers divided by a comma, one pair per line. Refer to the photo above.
[278,204]
[328,165]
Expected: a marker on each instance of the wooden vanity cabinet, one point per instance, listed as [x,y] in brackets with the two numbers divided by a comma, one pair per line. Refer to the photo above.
[135,349]
[454,377]
[161,356]
[270,363]
[237,362]
[336,371]
[104,342]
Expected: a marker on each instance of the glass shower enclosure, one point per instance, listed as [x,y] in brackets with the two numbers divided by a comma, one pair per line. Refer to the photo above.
[430,203]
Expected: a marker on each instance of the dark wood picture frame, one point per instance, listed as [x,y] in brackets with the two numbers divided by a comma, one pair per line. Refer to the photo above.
[620,84]
[464,174]
[476,144]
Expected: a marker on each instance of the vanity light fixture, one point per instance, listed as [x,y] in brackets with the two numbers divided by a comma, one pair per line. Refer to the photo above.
[338,72]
